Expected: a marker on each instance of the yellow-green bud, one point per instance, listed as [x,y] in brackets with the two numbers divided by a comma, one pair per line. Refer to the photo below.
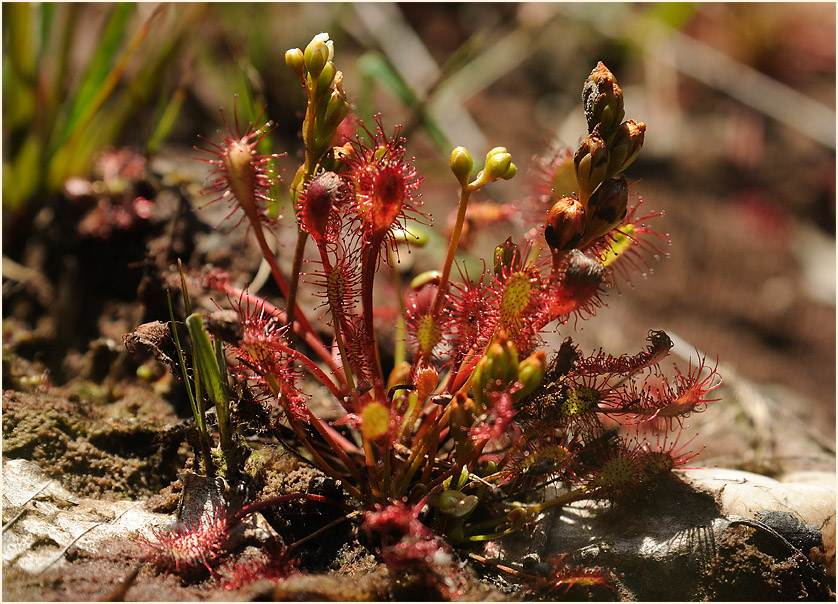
[603,100]
[504,359]
[530,373]
[626,145]
[591,162]
[455,503]
[318,52]
[461,164]
[510,172]
[498,162]
[496,369]
[336,110]
[295,59]
[325,79]
[565,224]
[426,278]
[606,209]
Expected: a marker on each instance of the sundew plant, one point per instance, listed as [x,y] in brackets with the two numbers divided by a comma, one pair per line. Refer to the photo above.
[473,430]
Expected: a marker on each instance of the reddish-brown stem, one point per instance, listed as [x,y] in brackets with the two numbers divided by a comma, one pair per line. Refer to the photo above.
[336,325]
[465,192]
[292,309]
[336,442]
[311,338]
[297,266]
[266,503]
[313,369]
[370,260]
[321,463]
[369,458]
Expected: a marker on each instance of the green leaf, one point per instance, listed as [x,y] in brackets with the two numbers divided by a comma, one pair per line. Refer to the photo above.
[99,67]
[196,403]
[204,357]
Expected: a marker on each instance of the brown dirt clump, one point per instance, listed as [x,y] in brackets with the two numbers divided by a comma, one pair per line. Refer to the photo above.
[89,449]
[749,567]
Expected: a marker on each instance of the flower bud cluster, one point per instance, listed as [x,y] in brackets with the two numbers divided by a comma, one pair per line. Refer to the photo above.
[499,370]
[327,101]
[610,147]
[498,166]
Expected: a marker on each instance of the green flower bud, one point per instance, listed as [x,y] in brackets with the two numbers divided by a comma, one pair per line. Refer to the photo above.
[495,151]
[504,359]
[565,224]
[530,374]
[498,164]
[455,503]
[318,52]
[336,110]
[626,145]
[591,163]
[295,59]
[496,369]
[422,279]
[461,164]
[602,99]
[510,172]
[606,209]
[325,79]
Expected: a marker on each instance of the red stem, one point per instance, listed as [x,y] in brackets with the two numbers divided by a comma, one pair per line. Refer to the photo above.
[370,260]
[311,338]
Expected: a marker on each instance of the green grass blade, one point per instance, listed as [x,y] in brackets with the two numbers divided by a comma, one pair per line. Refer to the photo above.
[92,85]
[205,360]
[196,411]
[167,120]
[375,68]
[17,38]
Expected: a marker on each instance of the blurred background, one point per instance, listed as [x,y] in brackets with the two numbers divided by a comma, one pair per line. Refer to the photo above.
[738,98]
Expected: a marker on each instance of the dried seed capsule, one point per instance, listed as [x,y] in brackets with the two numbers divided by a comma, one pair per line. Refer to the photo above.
[625,147]
[606,209]
[603,100]
[565,224]
[591,163]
